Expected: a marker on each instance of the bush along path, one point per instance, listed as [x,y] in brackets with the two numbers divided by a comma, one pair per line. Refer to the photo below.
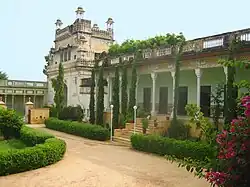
[45,150]
[94,132]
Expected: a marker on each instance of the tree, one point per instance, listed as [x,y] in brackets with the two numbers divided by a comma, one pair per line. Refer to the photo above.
[92,98]
[115,99]
[124,93]
[231,95]
[3,75]
[100,98]
[58,85]
[132,91]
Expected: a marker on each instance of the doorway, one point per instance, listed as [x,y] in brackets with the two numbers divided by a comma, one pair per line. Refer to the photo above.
[163,100]
[205,100]
[182,101]
[147,99]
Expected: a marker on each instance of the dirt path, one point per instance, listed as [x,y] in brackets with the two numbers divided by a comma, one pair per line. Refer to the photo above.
[94,164]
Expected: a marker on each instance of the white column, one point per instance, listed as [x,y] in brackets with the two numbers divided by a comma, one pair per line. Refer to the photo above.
[198,73]
[96,90]
[5,99]
[34,101]
[173,77]
[109,90]
[12,101]
[153,76]
[225,71]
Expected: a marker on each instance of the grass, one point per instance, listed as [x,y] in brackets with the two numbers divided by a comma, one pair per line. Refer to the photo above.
[11,144]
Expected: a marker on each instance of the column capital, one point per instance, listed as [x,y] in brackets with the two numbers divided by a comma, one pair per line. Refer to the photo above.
[153,76]
[198,72]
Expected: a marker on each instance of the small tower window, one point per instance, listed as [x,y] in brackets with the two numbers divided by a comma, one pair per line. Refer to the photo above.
[69,54]
[65,56]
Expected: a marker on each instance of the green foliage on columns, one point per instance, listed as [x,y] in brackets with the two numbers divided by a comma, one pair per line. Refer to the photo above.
[115,99]
[132,91]
[231,95]
[100,98]
[124,93]
[178,48]
[58,86]
[92,99]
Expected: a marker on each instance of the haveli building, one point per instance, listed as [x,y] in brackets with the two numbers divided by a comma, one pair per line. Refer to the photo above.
[200,73]
[76,46]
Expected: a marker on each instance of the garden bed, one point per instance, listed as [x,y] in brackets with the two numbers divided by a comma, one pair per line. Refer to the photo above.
[33,150]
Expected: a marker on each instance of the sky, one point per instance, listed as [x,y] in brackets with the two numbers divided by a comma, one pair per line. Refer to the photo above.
[27,27]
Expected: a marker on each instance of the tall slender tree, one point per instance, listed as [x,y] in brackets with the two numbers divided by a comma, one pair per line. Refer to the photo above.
[92,98]
[100,98]
[132,90]
[231,62]
[124,93]
[58,85]
[115,99]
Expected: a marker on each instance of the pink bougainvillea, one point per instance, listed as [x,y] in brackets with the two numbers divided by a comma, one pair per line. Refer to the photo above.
[234,152]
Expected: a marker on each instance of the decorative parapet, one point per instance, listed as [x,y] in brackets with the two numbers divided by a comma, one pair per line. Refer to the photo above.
[22,84]
[196,45]
[101,34]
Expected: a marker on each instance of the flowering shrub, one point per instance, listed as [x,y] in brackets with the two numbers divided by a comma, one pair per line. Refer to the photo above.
[234,152]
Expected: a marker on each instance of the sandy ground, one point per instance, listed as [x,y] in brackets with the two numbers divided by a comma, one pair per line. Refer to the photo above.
[95,164]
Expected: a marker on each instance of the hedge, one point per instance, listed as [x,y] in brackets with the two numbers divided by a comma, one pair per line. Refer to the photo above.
[168,146]
[94,132]
[32,137]
[40,155]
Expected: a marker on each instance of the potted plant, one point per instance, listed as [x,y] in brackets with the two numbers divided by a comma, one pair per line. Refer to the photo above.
[144,125]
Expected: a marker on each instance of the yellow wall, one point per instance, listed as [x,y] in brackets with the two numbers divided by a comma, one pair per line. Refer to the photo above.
[39,115]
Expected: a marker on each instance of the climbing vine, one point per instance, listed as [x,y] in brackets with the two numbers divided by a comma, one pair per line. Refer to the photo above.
[133,46]
[132,91]
[92,98]
[115,99]
[231,63]
[100,98]
[124,93]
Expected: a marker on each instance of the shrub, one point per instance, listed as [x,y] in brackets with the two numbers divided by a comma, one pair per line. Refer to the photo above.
[94,132]
[208,131]
[32,137]
[178,130]
[234,151]
[72,113]
[168,146]
[52,110]
[10,123]
[19,160]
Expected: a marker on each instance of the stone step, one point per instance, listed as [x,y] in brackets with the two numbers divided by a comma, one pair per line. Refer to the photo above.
[122,141]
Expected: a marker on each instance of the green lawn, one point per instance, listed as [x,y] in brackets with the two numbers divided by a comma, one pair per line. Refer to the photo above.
[11,144]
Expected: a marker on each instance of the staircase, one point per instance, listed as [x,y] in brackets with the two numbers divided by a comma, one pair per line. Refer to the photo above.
[122,136]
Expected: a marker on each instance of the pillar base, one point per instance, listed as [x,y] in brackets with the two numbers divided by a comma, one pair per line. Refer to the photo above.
[153,113]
